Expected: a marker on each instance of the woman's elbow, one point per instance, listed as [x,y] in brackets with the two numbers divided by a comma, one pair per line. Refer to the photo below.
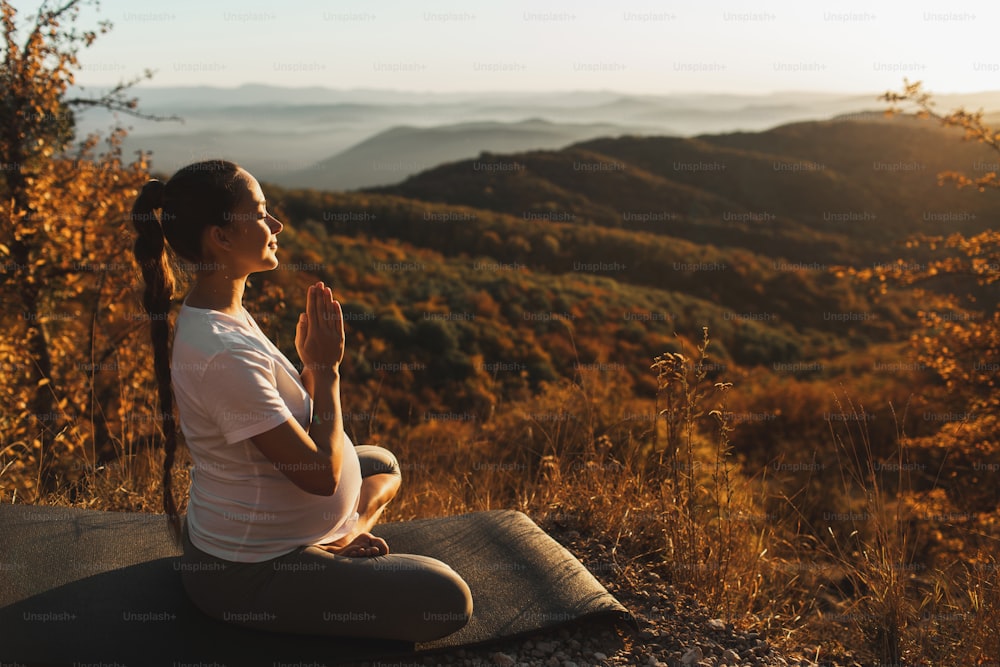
[321,482]
[318,484]
[314,478]
[326,487]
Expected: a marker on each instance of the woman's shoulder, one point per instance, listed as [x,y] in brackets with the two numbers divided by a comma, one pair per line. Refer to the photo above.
[206,319]
[206,333]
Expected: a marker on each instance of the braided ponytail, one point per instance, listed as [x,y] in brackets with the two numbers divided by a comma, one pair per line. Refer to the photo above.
[150,253]
[197,197]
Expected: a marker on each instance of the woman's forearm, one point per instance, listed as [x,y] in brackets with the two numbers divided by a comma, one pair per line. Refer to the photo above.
[327,427]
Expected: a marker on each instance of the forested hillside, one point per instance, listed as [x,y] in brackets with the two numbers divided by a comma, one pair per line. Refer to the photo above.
[603,251]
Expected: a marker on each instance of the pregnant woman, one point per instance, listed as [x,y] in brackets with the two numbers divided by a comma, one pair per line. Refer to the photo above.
[276,534]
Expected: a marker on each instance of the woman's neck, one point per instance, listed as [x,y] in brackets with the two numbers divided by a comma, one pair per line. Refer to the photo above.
[217,292]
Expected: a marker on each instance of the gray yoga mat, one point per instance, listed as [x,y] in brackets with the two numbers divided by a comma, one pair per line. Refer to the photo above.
[87,587]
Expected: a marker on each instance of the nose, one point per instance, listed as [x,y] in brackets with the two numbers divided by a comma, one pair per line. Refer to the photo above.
[274,224]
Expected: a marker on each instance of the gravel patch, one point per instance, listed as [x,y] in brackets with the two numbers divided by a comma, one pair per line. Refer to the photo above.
[673,630]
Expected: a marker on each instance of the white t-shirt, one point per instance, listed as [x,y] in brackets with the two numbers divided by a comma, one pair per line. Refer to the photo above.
[231,383]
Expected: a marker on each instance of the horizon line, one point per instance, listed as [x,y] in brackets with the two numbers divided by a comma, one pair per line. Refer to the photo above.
[527,91]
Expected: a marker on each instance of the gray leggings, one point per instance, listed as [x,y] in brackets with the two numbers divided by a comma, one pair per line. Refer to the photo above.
[311,591]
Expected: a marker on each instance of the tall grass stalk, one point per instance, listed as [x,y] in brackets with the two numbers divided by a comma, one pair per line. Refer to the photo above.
[723,493]
[875,558]
[701,531]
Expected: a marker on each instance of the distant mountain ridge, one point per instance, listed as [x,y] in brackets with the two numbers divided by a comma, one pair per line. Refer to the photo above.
[402,150]
[277,132]
[836,191]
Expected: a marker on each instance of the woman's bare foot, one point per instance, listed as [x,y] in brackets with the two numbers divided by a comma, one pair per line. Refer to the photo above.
[363,545]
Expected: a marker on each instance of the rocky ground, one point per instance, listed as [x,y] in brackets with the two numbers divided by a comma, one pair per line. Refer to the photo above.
[672,630]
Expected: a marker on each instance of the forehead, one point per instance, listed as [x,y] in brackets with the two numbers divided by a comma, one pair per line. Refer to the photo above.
[254,192]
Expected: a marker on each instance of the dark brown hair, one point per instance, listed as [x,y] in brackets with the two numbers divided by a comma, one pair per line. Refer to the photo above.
[197,197]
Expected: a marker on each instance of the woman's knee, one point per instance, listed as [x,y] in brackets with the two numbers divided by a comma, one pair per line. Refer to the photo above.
[455,606]
[447,605]
[377,461]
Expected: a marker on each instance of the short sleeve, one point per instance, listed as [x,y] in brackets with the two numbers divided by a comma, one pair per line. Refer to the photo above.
[240,393]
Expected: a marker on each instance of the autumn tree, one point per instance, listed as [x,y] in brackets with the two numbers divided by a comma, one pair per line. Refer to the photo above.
[960,340]
[64,263]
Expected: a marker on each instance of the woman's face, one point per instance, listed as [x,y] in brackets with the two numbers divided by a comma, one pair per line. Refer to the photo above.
[253,231]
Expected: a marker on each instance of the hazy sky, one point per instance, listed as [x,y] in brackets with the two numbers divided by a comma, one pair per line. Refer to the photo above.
[739,46]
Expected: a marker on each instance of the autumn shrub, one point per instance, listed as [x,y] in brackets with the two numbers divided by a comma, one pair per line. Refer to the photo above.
[65,282]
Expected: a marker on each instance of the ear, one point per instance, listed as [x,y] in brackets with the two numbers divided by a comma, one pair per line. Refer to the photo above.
[217,237]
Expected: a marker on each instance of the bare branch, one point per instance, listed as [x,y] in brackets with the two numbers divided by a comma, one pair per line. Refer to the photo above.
[971,122]
[125,106]
[115,100]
